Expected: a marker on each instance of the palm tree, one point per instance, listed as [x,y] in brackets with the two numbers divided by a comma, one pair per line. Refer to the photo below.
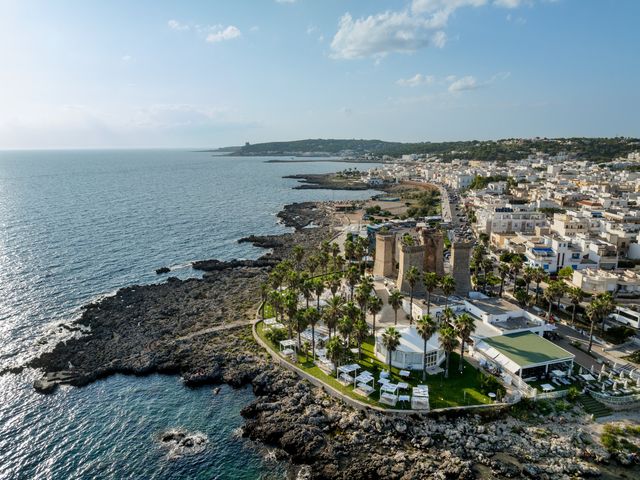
[300,325]
[391,341]
[338,263]
[335,351]
[318,290]
[313,317]
[539,276]
[553,292]
[503,270]
[345,328]
[431,281]
[576,295]
[335,250]
[353,277]
[487,266]
[448,286]
[592,315]
[375,305]
[306,288]
[426,328]
[448,315]
[291,307]
[516,265]
[412,277]
[264,296]
[298,255]
[333,283]
[449,342]
[332,312]
[323,261]
[395,300]
[312,264]
[276,301]
[349,250]
[361,332]
[464,326]
[528,275]
[606,306]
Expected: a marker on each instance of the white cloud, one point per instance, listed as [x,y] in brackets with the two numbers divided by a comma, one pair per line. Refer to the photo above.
[176,25]
[221,33]
[439,39]
[421,24]
[417,80]
[379,35]
[465,83]
[127,58]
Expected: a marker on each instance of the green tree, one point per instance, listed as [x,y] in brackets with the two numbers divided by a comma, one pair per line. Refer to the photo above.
[291,307]
[539,276]
[335,352]
[345,328]
[412,277]
[565,273]
[464,325]
[353,277]
[426,327]
[395,300]
[298,255]
[515,265]
[449,342]
[375,305]
[554,292]
[503,271]
[576,295]
[528,275]
[332,312]
[431,281]
[448,286]
[318,290]
[391,342]
[312,318]
[361,332]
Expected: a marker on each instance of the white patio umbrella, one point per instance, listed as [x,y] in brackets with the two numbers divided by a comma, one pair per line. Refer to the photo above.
[638,382]
[622,374]
[615,385]
[603,387]
[600,375]
[626,383]
[592,368]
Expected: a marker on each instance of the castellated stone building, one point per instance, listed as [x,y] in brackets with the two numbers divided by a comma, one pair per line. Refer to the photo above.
[460,260]
[394,257]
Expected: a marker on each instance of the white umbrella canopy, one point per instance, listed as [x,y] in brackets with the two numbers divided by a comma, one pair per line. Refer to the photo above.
[638,382]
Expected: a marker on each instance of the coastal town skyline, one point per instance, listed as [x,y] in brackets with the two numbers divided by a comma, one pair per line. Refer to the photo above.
[211,75]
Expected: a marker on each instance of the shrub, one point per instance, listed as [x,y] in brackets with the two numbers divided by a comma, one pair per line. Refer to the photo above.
[276,335]
[572,394]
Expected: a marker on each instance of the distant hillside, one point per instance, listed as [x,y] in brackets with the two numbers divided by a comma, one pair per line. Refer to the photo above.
[597,149]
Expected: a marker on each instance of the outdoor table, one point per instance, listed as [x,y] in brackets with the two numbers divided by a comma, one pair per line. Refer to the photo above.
[492,396]
[404,373]
[403,385]
[588,377]
[546,387]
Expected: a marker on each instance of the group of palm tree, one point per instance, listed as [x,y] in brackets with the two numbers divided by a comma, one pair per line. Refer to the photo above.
[452,330]
[431,281]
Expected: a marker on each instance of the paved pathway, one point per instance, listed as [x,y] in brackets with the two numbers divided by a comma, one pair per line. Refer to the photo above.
[217,328]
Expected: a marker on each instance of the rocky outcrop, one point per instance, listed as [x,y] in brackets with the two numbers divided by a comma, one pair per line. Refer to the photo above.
[335,441]
[179,442]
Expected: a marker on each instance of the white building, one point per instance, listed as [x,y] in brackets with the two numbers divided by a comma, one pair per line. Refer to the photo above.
[410,353]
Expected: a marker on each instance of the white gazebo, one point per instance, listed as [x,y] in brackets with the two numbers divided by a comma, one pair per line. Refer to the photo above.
[288,347]
[389,394]
[364,383]
[346,373]
[420,398]
[410,353]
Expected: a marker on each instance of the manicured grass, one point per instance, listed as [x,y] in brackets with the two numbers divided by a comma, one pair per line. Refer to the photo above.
[457,390]
[269,311]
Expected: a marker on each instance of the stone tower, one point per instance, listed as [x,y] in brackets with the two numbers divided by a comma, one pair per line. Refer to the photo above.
[460,259]
[433,242]
[384,265]
[410,256]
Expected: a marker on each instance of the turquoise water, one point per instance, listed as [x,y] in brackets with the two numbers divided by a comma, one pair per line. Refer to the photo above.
[75,225]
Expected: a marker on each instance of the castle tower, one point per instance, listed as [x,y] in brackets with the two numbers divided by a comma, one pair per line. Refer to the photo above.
[410,256]
[384,264]
[433,242]
[460,260]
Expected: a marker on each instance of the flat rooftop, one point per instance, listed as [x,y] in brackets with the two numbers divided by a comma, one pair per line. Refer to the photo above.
[516,323]
[494,306]
[528,349]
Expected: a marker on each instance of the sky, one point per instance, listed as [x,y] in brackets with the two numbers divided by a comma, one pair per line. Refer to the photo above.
[154,73]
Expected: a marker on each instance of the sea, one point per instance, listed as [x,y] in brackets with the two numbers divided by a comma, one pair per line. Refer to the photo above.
[77,225]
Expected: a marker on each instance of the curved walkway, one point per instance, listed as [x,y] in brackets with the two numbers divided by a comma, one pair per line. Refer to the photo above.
[352,401]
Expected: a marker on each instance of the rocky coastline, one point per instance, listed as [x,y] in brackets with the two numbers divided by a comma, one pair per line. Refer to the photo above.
[323,181]
[200,329]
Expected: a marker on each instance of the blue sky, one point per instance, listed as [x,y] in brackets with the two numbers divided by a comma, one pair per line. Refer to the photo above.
[89,73]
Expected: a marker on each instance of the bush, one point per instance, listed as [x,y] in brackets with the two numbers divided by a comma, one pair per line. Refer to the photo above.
[489,383]
[572,394]
[619,334]
[276,335]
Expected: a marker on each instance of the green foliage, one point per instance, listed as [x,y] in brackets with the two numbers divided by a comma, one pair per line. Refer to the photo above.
[549,211]
[276,335]
[489,383]
[624,439]
[620,334]
[572,394]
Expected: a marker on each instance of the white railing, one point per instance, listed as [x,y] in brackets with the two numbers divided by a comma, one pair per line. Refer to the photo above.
[620,401]
[551,395]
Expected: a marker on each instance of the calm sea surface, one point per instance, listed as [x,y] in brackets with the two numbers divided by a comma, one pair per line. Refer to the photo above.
[75,225]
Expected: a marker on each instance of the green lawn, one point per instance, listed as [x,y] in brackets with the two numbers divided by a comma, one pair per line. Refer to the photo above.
[457,390]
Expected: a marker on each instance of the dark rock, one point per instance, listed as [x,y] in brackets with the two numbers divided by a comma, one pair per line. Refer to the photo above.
[162,270]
